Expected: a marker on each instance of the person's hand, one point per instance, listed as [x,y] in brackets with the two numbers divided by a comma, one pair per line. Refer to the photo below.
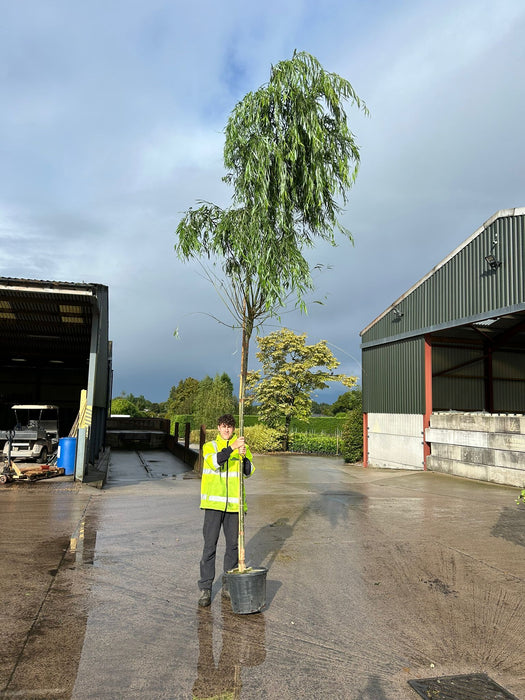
[239,445]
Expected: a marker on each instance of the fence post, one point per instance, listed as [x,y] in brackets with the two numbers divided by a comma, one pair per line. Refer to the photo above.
[176,432]
[187,429]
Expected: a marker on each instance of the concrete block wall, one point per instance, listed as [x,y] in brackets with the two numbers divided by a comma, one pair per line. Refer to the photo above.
[395,441]
[484,446]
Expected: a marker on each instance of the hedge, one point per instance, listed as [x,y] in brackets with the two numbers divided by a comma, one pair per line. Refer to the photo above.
[352,450]
[312,443]
[184,418]
[328,425]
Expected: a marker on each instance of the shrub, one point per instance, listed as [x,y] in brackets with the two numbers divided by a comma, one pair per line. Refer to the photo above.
[260,438]
[313,443]
[352,437]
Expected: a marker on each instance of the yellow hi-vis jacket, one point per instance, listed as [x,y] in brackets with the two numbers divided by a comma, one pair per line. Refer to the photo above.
[220,475]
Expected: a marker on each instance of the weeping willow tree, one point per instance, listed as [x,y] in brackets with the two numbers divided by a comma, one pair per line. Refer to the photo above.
[290,158]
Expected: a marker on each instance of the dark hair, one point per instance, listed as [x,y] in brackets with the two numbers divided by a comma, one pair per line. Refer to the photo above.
[226,419]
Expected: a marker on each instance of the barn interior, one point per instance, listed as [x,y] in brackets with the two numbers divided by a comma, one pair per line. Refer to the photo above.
[45,346]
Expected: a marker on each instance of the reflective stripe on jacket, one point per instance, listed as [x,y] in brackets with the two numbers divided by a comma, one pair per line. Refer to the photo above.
[220,482]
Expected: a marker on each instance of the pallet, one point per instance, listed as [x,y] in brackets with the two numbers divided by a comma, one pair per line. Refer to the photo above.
[30,473]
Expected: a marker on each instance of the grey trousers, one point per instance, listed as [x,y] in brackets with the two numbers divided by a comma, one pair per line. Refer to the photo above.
[213,521]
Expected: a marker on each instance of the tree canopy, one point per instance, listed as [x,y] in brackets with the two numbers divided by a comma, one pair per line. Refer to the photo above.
[182,396]
[214,397]
[291,370]
[137,406]
[122,406]
[290,155]
[291,158]
[347,402]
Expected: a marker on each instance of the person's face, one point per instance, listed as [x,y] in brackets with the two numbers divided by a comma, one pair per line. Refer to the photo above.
[226,431]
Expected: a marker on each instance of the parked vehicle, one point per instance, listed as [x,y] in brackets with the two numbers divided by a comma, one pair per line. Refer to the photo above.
[35,435]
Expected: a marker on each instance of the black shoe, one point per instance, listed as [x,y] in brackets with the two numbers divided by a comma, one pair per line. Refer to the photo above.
[205,598]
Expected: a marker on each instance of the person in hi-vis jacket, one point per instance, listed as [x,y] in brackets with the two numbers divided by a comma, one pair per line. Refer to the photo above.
[223,457]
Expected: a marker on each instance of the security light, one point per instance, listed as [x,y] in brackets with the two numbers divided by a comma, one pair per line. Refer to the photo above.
[397,313]
[494,264]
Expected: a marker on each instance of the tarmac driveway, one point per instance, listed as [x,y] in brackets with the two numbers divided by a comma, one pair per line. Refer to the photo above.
[375,578]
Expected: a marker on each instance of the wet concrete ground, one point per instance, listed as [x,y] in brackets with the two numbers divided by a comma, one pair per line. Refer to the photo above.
[375,577]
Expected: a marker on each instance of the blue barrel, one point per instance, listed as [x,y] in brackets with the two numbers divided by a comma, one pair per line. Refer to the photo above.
[66,455]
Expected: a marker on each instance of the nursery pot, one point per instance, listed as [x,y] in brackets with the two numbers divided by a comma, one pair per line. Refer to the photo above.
[247,589]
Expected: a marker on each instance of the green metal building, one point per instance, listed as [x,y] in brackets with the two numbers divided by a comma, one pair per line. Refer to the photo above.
[444,365]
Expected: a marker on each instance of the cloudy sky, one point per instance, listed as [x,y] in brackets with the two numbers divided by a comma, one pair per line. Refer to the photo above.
[112,123]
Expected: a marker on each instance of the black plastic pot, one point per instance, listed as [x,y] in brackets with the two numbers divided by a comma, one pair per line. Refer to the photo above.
[247,590]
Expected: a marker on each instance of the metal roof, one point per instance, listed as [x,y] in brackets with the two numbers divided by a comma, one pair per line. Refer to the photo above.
[44,322]
[503,332]
[518,211]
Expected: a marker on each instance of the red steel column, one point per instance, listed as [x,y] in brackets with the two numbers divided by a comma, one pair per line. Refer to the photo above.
[428,397]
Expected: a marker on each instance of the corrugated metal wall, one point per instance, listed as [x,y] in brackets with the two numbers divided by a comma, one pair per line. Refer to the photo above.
[393,377]
[509,382]
[463,389]
[464,287]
